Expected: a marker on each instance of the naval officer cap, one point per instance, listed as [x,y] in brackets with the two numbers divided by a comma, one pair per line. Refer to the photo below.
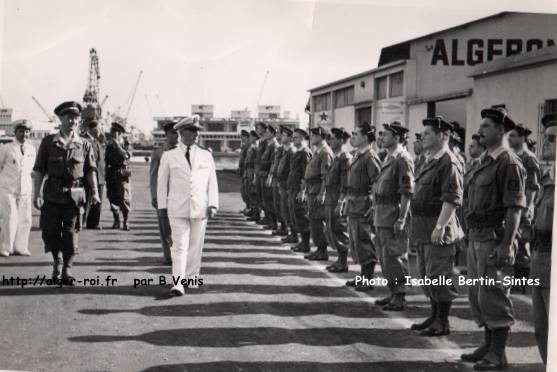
[320,131]
[254,134]
[190,123]
[522,130]
[120,127]
[68,107]
[169,125]
[272,129]
[549,120]
[285,130]
[302,132]
[439,123]
[262,124]
[396,128]
[500,116]
[244,133]
[340,133]
[22,123]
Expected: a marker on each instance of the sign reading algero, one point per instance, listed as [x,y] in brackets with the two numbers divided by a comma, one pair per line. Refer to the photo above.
[477,51]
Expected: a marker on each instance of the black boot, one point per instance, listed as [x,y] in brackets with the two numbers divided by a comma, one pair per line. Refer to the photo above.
[397,303]
[126,226]
[319,255]
[292,238]
[116,215]
[67,278]
[303,247]
[341,264]
[480,352]
[440,326]
[495,359]
[352,282]
[56,267]
[426,323]
[368,270]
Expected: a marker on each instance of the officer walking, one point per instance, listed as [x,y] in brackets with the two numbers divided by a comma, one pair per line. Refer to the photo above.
[244,137]
[172,138]
[16,165]
[495,200]
[363,172]
[435,229]
[517,142]
[67,161]
[295,186]
[283,170]
[335,191]
[543,225]
[314,179]
[392,195]
[92,216]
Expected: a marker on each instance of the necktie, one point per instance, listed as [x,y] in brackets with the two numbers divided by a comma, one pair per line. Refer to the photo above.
[22,149]
[188,155]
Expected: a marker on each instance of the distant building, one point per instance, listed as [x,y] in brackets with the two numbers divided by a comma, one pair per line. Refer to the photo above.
[6,120]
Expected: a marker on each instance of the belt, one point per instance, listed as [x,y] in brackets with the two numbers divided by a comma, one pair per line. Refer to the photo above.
[313,180]
[426,209]
[382,199]
[478,221]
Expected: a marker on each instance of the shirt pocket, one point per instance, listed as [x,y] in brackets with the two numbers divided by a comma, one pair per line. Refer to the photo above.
[75,163]
[485,192]
[56,165]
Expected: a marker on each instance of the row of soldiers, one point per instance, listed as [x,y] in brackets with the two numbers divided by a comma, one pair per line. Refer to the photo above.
[375,199]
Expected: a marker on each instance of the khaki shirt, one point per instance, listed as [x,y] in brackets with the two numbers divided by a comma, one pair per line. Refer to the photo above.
[283,167]
[337,177]
[242,160]
[543,219]
[266,158]
[275,160]
[395,180]
[261,147]
[298,163]
[317,169]
[496,184]
[363,173]
[250,161]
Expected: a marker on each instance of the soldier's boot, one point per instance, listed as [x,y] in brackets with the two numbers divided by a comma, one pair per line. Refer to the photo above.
[397,303]
[495,359]
[340,265]
[56,267]
[67,277]
[283,231]
[480,352]
[116,224]
[384,301]
[440,326]
[126,225]
[255,215]
[303,246]
[319,255]
[428,321]
[368,270]
[352,282]
[272,225]
[292,238]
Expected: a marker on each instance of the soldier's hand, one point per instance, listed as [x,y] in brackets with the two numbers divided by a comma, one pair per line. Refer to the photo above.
[302,197]
[437,236]
[38,202]
[342,208]
[504,256]
[269,181]
[95,199]
[321,198]
[398,228]
[211,212]
[154,203]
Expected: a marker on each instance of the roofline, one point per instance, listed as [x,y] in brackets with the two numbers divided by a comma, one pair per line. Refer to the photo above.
[364,73]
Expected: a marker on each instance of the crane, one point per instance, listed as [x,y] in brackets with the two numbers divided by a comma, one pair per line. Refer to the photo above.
[50,118]
[133,94]
[148,106]
[160,104]
[92,108]
[104,101]
[261,91]
[2,104]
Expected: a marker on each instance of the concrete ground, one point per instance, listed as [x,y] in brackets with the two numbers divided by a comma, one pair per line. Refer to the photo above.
[261,308]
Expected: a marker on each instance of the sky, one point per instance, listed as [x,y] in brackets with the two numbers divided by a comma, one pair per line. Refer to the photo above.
[208,51]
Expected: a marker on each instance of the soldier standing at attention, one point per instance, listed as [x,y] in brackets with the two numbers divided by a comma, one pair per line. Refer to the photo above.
[435,229]
[392,195]
[335,191]
[265,167]
[543,225]
[244,137]
[314,179]
[517,142]
[363,172]
[283,170]
[495,200]
[272,180]
[92,216]
[295,186]
[260,175]
[67,161]
[419,152]
[249,176]
[172,138]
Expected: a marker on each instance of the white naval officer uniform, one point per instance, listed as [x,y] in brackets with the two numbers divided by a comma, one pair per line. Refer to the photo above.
[186,192]
[16,185]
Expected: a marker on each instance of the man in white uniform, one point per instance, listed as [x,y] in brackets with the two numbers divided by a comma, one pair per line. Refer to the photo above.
[16,164]
[187,191]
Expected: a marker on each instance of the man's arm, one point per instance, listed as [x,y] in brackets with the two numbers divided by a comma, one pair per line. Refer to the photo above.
[213,189]
[153,173]
[162,182]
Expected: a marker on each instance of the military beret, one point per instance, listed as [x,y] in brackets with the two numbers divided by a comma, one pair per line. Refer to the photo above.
[188,123]
[244,132]
[118,126]
[68,107]
[169,125]
[285,130]
[23,123]
[271,129]
[500,116]
[438,123]
[476,137]
[522,130]
[262,124]
[302,132]
[92,123]
[549,120]
[254,133]
[319,131]
[396,128]
[340,133]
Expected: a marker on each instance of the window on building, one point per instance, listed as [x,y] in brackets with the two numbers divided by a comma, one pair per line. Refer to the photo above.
[550,106]
[382,87]
[215,127]
[233,127]
[395,84]
[344,97]
[214,145]
[234,145]
[321,102]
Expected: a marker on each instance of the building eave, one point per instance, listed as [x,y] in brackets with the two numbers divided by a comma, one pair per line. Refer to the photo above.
[501,65]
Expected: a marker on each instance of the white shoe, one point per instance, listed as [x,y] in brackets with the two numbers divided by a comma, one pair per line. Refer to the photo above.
[177,290]
[4,254]
[27,253]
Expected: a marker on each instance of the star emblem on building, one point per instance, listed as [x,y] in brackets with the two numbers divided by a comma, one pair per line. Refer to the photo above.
[323,116]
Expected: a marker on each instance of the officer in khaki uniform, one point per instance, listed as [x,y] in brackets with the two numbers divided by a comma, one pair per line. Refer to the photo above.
[517,142]
[435,229]
[249,176]
[335,191]
[314,178]
[283,170]
[67,162]
[272,181]
[244,137]
[264,169]
[357,205]
[543,225]
[495,200]
[419,152]
[260,175]
[392,195]
[295,185]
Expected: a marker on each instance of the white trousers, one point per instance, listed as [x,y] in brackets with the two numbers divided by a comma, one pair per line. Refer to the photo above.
[15,223]
[188,235]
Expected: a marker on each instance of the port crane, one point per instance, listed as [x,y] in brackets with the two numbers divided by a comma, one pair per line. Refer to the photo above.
[91,105]
[45,112]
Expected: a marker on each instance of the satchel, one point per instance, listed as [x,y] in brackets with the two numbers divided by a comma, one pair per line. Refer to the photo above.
[78,196]
[124,173]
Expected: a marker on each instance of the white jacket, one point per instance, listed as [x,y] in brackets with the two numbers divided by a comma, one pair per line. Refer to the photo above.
[16,168]
[187,192]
